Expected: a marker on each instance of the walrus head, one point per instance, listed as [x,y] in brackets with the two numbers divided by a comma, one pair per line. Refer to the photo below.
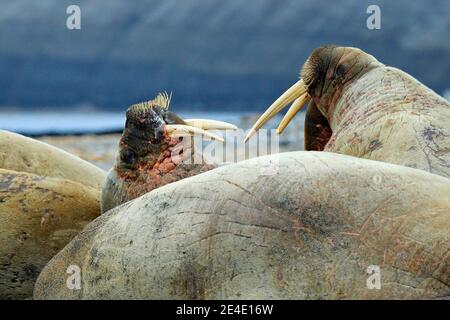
[151,130]
[323,76]
[151,151]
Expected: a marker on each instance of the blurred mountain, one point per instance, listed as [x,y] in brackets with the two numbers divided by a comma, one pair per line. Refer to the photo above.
[215,54]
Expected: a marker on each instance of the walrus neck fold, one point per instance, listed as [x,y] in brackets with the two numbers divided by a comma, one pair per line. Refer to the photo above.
[345,105]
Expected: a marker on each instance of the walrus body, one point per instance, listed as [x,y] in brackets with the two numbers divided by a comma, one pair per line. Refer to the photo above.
[47,196]
[39,216]
[24,154]
[118,189]
[310,231]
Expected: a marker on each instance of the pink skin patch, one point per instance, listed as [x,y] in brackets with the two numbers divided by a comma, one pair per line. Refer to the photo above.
[154,171]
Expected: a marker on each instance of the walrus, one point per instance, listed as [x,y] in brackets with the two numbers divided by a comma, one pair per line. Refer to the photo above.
[317,229]
[47,196]
[39,215]
[23,154]
[152,152]
[360,107]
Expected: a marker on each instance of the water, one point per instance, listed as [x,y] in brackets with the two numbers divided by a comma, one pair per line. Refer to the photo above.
[61,123]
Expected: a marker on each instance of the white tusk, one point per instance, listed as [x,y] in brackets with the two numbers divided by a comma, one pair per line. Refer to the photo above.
[290,95]
[180,130]
[210,124]
[293,110]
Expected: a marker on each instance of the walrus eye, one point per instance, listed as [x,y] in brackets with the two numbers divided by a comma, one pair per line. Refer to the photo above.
[128,156]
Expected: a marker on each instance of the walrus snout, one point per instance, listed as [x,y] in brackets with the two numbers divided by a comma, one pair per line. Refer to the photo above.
[363,108]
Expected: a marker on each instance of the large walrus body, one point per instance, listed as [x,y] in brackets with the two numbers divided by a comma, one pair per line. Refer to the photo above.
[311,231]
[39,216]
[47,196]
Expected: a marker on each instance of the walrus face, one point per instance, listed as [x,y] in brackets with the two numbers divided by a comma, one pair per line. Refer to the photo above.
[150,147]
[328,69]
[145,137]
[323,76]
[152,152]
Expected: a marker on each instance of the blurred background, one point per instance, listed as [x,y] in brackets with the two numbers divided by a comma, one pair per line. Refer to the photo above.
[226,60]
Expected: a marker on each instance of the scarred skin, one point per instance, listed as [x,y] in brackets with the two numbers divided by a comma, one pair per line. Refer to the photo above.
[148,157]
[374,111]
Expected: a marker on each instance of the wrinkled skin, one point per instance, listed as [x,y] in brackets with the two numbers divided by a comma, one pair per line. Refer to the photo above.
[310,231]
[148,156]
[374,111]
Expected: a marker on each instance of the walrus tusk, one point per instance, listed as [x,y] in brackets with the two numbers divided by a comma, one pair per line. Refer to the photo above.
[210,124]
[178,130]
[293,110]
[294,92]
